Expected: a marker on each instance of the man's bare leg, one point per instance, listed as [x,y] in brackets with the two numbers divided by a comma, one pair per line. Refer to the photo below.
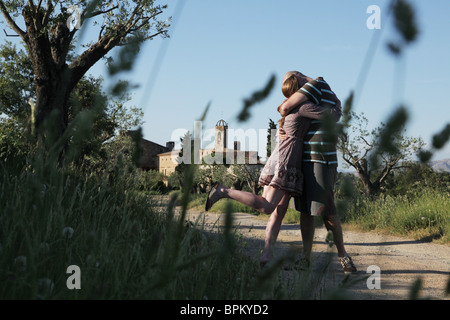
[307,231]
[333,224]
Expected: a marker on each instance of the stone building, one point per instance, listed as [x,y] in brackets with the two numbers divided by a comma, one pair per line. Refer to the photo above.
[168,163]
[221,133]
[150,152]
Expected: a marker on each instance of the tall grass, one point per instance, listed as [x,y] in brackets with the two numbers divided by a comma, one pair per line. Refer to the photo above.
[53,217]
[424,214]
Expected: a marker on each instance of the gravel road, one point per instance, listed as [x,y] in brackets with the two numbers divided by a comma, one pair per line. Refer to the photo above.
[400,261]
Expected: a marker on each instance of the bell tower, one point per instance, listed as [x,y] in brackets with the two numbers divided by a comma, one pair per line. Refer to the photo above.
[221,136]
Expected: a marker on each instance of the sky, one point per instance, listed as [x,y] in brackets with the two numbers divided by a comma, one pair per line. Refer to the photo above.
[222,51]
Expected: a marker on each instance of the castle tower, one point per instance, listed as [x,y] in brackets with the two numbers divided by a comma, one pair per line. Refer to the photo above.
[221,136]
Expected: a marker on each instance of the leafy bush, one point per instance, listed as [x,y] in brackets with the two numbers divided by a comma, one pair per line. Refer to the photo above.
[422,214]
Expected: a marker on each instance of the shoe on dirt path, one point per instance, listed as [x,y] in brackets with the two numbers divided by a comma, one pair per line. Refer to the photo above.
[347,264]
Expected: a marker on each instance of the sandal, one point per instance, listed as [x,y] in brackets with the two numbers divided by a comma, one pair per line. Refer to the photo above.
[213,196]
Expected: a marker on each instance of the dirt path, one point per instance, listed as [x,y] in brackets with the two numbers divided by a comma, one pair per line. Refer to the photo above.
[401,261]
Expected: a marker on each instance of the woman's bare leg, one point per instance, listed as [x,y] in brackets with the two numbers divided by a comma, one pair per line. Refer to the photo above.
[273,228]
[264,205]
[265,191]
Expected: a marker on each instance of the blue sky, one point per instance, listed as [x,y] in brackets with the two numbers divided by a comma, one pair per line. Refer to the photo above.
[222,51]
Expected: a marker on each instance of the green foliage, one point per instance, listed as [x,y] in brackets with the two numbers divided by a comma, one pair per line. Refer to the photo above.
[404,20]
[390,138]
[255,98]
[99,117]
[405,24]
[421,214]
[347,111]
[248,175]
[271,137]
[292,216]
[52,219]
[414,177]
[376,153]
[57,71]
[139,17]
[439,140]
[13,144]
[126,56]
[16,87]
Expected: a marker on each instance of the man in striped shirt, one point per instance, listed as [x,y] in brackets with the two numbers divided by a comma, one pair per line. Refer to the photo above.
[317,144]
[319,170]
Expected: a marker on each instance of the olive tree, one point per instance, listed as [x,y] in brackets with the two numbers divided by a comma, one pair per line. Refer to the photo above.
[49,29]
[375,153]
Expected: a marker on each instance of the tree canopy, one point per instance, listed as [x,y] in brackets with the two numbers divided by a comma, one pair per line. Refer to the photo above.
[374,154]
[49,29]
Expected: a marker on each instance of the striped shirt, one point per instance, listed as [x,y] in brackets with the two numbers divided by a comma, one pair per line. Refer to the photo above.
[317,144]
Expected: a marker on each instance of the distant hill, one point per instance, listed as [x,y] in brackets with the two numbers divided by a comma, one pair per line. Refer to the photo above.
[441,165]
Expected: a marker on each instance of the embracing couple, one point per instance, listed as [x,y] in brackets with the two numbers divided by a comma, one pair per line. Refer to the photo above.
[303,166]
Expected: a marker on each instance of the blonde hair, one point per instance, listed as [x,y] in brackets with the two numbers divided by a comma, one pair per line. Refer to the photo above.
[289,87]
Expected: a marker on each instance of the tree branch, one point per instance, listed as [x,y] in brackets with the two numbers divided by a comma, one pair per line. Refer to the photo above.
[132,27]
[39,5]
[31,4]
[48,12]
[11,22]
[383,175]
[348,161]
[89,57]
[368,144]
[86,15]
[135,11]
[364,155]
[346,153]
[154,35]
[144,39]
[100,34]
